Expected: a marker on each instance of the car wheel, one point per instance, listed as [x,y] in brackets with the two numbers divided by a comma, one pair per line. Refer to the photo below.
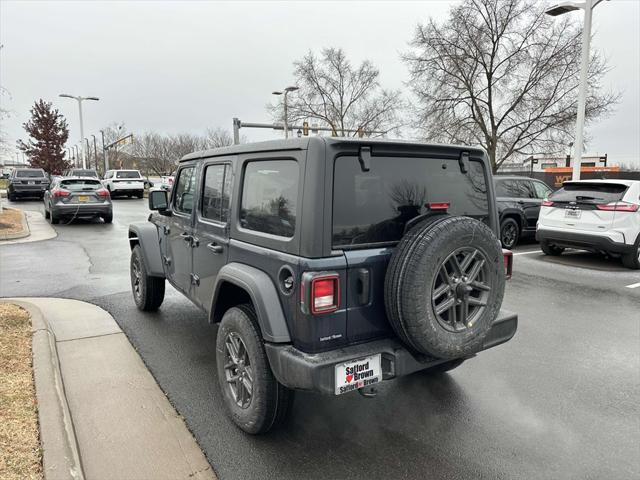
[444,286]
[53,218]
[46,212]
[552,250]
[509,233]
[632,260]
[11,196]
[148,291]
[254,399]
[108,218]
[140,194]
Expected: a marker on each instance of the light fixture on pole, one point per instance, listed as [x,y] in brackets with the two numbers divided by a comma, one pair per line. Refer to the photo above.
[80,100]
[286,92]
[560,9]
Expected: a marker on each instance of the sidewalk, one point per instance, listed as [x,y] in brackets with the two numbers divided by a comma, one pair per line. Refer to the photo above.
[101,413]
[39,229]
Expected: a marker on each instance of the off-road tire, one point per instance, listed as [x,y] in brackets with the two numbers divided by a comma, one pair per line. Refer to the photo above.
[148,293]
[509,241]
[270,401]
[552,250]
[411,277]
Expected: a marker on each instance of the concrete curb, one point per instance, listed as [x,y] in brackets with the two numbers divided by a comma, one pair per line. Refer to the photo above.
[39,229]
[101,412]
[60,454]
[25,228]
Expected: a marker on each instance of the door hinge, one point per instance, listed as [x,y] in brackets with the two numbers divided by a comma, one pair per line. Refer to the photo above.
[167,230]
[166,260]
[195,280]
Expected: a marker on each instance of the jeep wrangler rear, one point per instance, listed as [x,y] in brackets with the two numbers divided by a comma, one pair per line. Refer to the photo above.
[329,264]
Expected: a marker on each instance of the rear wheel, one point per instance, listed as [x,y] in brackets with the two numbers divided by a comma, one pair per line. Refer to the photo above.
[108,218]
[46,212]
[148,291]
[509,233]
[53,218]
[550,249]
[253,397]
[632,260]
[11,195]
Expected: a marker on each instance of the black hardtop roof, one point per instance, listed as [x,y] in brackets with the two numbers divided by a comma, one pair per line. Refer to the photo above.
[303,144]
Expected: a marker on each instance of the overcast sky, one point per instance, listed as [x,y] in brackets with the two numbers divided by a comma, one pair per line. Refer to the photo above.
[185,66]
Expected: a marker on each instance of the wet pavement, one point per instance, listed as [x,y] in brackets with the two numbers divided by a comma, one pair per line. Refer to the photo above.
[561,400]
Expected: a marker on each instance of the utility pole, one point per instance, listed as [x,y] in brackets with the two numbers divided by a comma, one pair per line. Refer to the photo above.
[95,152]
[104,154]
[80,100]
[88,153]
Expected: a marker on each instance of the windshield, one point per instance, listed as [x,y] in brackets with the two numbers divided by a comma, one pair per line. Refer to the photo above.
[589,192]
[128,174]
[80,184]
[374,206]
[84,173]
[30,173]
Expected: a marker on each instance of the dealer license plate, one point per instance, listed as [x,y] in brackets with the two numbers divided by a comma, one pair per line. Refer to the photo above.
[83,198]
[570,213]
[358,374]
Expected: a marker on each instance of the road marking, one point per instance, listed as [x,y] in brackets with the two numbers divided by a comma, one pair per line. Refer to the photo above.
[528,253]
[634,285]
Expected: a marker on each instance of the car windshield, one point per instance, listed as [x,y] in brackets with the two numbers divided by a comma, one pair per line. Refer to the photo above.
[30,173]
[128,174]
[84,173]
[80,184]
[589,192]
[375,206]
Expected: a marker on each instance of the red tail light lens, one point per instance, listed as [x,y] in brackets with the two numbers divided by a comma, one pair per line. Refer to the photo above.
[102,192]
[325,294]
[438,205]
[618,207]
[547,203]
[508,263]
[58,192]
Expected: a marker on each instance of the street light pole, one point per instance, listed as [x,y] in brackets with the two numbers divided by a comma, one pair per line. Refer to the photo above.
[286,107]
[88,154]
[80,100]
[562,8]
[95,152]
[104,154]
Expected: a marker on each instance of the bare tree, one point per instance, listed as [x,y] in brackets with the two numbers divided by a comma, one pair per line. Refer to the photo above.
[332,91]
[502,74]
[218,137]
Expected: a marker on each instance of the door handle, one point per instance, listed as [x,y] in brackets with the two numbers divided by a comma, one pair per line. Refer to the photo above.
[215,248]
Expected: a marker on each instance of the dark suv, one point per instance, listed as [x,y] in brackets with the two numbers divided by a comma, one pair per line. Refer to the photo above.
[330,264]
[27,182]
[519,201]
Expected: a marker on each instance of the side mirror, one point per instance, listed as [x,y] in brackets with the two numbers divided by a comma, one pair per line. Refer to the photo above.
[158,201]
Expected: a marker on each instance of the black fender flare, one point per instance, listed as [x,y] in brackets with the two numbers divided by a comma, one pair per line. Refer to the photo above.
[145,234]
[264,296]
[513,212]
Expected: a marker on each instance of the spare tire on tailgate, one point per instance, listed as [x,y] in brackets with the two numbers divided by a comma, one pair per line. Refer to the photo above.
[444,286]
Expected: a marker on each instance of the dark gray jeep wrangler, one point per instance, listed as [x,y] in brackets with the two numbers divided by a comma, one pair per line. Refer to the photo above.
[330,264]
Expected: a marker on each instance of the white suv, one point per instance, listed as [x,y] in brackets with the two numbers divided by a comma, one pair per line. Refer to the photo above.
[595,215]
[124,182]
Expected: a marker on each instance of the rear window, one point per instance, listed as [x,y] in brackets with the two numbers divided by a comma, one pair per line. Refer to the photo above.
[127,174]
[30,173]
[80,184]
[374,206]
[84,173]
[589,192]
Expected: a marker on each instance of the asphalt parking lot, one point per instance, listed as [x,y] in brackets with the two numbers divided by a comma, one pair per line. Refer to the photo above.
[558,401]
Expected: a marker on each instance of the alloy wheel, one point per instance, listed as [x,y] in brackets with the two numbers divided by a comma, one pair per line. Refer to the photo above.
[238,370]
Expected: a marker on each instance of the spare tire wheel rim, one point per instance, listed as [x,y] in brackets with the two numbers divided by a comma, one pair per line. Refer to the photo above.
[238,370]
[460,290]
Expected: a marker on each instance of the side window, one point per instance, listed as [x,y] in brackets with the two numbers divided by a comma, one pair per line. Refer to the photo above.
[215,193]
[269,197]
[185,190]
[526,187]
[509,188]
[542,191]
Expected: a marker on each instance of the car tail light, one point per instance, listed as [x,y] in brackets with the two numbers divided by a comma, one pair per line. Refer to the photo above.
[58,192]
[547,203]
[618,207]
[508,263]
[325,294]
[102,192]
[438,205]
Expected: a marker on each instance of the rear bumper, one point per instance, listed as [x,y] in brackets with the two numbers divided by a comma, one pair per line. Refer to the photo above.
[82,210]
[583,241]
[305,371]
[27,190]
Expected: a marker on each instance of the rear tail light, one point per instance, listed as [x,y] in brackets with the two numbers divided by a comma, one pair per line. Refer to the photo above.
[58,192]
[618,207]
[325,294]
[102,192]
[438,205]
[547,203]
[508,263]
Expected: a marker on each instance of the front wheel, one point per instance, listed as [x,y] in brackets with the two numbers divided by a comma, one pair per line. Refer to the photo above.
[254,399]
[509,233]
[552,250]
[148,291]
[632,260]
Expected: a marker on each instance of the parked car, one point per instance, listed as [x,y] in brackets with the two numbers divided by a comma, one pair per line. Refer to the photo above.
[519,200]
[27,182]
[595,215]
[166,182]
[77,197]
[124,182]
[330,264]
[81,172]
